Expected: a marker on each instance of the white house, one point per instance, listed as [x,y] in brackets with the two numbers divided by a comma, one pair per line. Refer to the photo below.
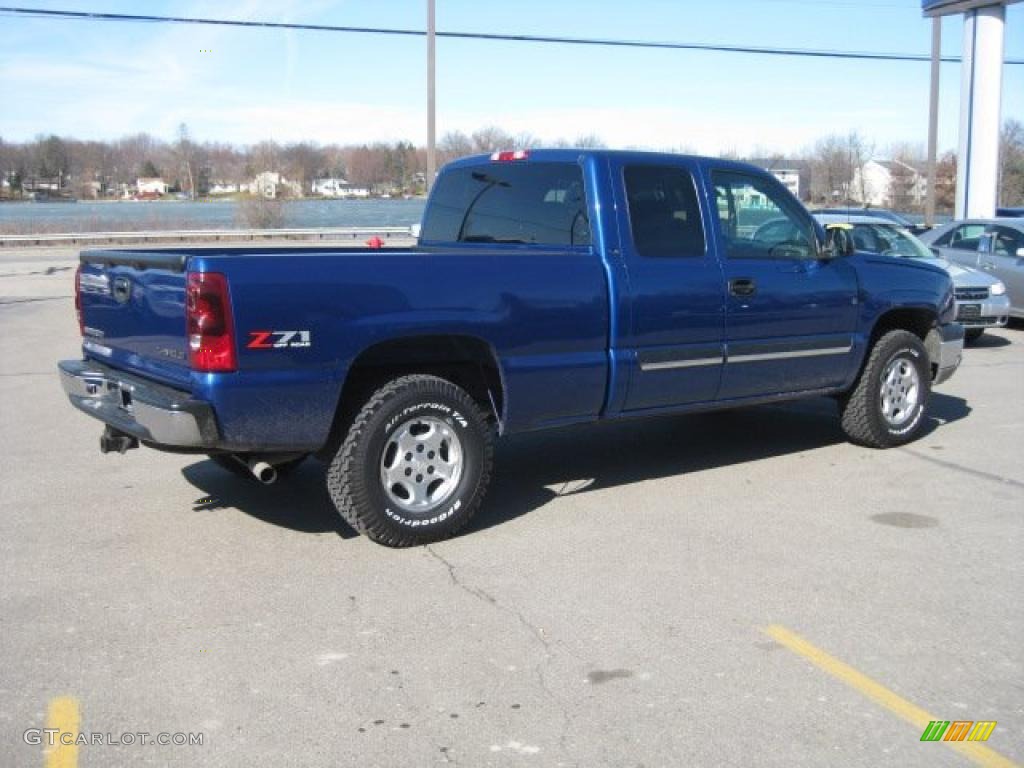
[790,178]
[223,188]
[338,187]
[150,186]
[270,184]
[889,183]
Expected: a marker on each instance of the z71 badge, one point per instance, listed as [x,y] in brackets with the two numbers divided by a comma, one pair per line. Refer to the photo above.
[278,340]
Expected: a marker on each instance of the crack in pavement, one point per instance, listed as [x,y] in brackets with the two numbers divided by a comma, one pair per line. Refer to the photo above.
[8,300]
[474,591]
[536,632]
[966,470]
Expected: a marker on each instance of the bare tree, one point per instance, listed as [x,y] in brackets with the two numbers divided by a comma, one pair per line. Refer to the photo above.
[453,145]
[491,138]
[1011,164]
[589,141]
[837,168]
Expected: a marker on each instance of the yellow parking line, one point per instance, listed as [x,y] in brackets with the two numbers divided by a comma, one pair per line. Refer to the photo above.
[976,753]
[64,716]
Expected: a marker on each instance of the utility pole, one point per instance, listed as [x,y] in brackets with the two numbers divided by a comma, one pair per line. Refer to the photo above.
[431,115]
[933,122]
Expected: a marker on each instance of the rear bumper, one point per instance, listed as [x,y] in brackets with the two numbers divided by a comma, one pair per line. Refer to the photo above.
[155,414]
[946,349]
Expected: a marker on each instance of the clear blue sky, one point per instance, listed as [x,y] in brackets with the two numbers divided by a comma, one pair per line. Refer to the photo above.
[103,80]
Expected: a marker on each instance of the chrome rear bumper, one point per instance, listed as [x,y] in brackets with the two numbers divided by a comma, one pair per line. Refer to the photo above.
[151,412]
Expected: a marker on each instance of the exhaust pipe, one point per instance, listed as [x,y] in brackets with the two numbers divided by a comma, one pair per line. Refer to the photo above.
[262,471]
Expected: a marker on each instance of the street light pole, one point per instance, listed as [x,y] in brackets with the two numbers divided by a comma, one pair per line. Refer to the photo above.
[431,116]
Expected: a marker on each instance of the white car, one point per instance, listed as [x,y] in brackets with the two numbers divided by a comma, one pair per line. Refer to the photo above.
[981,299]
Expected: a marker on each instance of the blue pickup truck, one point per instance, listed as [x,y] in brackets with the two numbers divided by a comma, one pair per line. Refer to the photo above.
[548,288]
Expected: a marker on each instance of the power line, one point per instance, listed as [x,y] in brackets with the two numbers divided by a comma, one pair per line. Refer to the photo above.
[592,41]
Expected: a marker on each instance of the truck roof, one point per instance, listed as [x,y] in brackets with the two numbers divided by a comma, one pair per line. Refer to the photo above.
[573,154]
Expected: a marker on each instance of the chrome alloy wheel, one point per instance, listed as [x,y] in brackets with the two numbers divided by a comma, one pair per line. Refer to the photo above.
[901,391]
[421,464]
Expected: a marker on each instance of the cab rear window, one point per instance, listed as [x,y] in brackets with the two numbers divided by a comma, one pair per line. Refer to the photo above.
[533,203]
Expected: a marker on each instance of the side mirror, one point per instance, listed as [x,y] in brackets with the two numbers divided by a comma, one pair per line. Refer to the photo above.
[935,253]
[838,240]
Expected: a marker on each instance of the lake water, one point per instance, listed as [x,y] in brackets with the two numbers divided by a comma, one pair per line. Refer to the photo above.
[183,214]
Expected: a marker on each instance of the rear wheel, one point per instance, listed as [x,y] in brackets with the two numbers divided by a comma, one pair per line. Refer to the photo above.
[887,404]
[415,464]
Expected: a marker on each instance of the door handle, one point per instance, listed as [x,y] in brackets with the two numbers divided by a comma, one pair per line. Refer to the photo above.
[742,286]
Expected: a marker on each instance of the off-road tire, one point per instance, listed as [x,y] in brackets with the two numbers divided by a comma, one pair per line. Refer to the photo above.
[861,407]
[354,478]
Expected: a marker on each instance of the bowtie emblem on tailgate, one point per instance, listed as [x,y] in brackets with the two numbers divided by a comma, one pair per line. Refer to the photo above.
[121,290]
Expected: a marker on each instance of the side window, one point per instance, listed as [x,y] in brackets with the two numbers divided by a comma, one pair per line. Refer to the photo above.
[865,239]
[1006,240]
[509,202]
[966,237]
[758,220]
[664,215]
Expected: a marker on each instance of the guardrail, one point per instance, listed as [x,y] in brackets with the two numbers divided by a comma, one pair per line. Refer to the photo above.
[208,235]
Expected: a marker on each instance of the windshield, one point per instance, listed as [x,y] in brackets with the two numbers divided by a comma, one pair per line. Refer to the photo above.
[889,240]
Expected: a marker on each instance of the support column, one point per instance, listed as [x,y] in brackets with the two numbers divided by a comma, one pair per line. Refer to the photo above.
[933,122]
[977,175]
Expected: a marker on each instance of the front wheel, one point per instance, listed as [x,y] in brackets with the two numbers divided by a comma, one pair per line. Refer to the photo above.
[973,334]
[415,464]
[887,404]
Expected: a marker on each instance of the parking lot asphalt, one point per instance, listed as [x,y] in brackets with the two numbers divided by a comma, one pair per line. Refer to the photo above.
[741,588]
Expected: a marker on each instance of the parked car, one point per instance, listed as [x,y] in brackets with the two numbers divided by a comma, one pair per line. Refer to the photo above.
[1013,213]
[549,288]
[876,213]
[981,299]
[994,245]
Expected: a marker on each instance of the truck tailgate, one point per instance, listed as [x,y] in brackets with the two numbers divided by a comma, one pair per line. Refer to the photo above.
[133,312]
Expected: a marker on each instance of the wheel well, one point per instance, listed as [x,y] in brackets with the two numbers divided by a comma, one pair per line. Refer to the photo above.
[466,361]
[918,321]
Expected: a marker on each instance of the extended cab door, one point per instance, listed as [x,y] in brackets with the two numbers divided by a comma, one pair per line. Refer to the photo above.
[790,315]
[674,330]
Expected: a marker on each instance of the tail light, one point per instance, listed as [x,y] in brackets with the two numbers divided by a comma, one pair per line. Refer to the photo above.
[505,157]
[78,300]
[211,329]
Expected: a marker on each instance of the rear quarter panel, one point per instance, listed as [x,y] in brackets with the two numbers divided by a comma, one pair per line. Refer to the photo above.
[543,312]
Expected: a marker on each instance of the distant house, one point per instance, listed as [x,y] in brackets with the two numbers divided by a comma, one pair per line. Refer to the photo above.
[270,185]
[793,173]
[790,178]
[889,184]
[150,186]
[224,188]
[338,187]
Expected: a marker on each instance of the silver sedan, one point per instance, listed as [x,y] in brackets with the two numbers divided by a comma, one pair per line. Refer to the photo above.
[993,245]
[981,298]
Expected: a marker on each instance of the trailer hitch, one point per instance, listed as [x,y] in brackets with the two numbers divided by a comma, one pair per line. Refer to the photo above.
[115,440]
